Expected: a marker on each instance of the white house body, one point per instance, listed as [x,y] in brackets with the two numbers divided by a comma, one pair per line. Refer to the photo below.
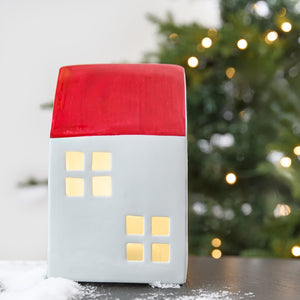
[88,237]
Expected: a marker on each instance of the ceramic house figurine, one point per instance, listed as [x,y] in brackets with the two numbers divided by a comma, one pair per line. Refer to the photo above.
[118,174]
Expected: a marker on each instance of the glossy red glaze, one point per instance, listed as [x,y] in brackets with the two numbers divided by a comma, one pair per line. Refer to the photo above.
[114,99]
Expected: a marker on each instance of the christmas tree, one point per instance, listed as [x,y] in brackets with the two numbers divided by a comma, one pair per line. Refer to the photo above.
[243,110]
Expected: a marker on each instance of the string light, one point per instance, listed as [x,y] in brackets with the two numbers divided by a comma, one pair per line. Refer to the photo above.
[216,242]
[193,62]
[206,42]
[230,178]
[296,251]
[285,162]
[281,210]
[242,44]
[296,150]
[230,72]
[216,253]
[271,37]
[286,27]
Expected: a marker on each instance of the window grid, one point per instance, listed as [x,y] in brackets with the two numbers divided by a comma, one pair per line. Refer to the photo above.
[100,170]
[160,226]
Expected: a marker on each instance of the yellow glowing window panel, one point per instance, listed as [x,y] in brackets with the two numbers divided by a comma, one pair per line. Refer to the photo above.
[134,252]
[160,225]
[101,161]
[74,187]
[74,160]
[101,186]
[134,225]
[160,252]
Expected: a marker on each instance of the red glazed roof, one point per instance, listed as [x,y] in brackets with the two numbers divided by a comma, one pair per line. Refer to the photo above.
[119,99]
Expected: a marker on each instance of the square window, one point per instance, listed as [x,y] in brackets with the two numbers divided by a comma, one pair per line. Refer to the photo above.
[134,225]
[160,225]
[134,252]
[74,187]
[101,161]
[74,160]
[101,186]
[160,252]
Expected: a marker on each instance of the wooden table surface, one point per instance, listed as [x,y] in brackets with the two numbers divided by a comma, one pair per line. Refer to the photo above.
[227,278]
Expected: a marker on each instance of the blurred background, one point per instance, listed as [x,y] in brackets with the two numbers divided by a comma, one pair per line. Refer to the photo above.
[242,68]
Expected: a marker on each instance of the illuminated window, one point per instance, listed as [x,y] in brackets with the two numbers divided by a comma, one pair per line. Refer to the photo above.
[74,187]
[134,225]
[160,252]
[134,252]
[101,161]
[160,226]
[101,186]
[74,161]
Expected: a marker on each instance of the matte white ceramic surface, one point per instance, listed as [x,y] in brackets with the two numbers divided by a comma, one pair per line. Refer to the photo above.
[87,235]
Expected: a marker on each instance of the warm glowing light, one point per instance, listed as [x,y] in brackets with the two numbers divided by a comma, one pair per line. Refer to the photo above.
[206,42]
[173,36]
[160,225]
[297,150]
[242,44]
[216,242]
[230,72]
[193,62]
[286,27]
[216,253]
[281,210]
[271,37]
[230,178]
[286,162]
[296,251]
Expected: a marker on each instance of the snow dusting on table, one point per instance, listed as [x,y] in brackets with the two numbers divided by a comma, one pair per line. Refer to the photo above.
[158,284]
[27,281]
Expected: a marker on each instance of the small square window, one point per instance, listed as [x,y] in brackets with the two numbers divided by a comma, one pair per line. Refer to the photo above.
[160,252]
[74,161]
[101,186]
[134,225]
[74,187]
[134,252]
[101,161]
[160,225]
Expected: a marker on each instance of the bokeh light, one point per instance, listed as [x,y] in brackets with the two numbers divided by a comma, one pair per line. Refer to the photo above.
[242,44]
[281,210]
[173,36]
[206,42]
[230,178]
[285,162]
[271,37]
[216,253]
[296,150]
[193,62]
[296,251]
[286,27]
[212,32]
[216,242]
[230,72]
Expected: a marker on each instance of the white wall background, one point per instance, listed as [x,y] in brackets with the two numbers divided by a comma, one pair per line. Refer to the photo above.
[36,38]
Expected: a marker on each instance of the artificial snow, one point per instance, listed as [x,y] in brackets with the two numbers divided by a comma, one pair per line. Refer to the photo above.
[158,284]
[196,294]
[27,281]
